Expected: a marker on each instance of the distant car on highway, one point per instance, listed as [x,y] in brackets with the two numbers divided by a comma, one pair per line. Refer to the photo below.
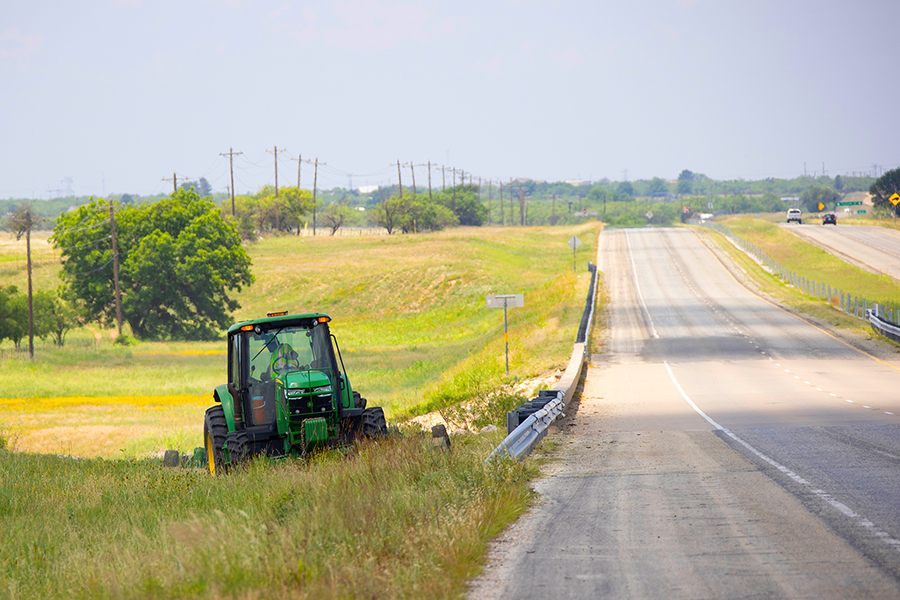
[793,214]
[829,219]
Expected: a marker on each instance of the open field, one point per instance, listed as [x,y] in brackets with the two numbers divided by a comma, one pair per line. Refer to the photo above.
[408,311]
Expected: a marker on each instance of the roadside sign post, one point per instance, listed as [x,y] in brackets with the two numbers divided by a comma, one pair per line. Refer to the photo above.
[505,301]
[574,242]
[895,199]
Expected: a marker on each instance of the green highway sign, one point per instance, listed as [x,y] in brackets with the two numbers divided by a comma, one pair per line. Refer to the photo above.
[848,203]
[860,212]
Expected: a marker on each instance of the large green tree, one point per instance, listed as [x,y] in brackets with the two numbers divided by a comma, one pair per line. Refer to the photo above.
[179,260]
[463,201]
[658,187]
[884,187]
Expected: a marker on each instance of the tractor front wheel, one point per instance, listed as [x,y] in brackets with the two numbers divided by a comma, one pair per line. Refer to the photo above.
[215,431]
[374,423]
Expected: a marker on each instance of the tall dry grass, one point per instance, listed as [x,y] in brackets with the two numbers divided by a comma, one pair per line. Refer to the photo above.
[399,519]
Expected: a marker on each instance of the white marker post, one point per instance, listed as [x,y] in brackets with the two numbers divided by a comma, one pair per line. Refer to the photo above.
[506,301]
[574,242]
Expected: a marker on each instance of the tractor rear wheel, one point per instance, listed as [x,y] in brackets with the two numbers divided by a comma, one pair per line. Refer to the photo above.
[215,431]
[358,400]
[238,449]
[374,423]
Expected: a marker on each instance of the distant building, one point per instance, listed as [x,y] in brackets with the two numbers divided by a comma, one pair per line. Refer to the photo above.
[367,189]
[578,182]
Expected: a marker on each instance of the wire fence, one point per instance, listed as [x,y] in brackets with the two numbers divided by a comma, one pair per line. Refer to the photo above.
[849,303]
[344,231]
[40,345]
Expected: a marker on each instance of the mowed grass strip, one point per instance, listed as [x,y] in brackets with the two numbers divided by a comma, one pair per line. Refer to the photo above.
[812,262]
[776,289]
[397,519]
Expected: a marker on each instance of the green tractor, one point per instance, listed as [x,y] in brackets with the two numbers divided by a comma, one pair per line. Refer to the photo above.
[287,394]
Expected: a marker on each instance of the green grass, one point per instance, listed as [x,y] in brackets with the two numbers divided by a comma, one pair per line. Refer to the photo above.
[810,261]
[408,311]
[395,520]
[813,262]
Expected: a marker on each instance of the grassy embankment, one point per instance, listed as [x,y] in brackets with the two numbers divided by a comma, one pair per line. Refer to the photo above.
[809,261]
[396,519]
[408,312]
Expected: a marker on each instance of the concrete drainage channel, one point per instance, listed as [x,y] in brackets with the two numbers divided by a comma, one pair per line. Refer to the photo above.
[528,424]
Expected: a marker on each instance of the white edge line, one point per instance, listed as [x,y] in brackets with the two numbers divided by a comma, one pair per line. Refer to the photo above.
[638,287]
[821,494]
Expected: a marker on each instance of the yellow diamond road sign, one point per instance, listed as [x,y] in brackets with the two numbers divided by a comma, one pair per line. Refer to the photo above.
[895,198]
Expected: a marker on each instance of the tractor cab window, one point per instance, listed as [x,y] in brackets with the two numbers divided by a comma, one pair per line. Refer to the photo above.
[273,353]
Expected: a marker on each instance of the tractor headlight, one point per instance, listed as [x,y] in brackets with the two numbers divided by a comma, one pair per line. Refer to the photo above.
[322,390]
[293,393]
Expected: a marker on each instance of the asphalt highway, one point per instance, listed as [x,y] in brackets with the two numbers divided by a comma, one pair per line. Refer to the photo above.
[875,249]
[722,448]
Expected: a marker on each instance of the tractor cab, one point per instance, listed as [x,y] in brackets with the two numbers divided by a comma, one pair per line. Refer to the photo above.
[292,362]
[287,391]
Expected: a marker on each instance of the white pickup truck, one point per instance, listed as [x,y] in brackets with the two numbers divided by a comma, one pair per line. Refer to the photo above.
[793,214]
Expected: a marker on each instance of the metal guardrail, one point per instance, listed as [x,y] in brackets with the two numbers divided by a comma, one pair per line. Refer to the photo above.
[883,326]
[521,442]
[523,436]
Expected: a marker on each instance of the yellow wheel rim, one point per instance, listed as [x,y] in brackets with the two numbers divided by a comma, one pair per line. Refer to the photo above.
[210,454]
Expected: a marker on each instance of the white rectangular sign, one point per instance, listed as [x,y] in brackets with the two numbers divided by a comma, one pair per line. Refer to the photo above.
[512,300]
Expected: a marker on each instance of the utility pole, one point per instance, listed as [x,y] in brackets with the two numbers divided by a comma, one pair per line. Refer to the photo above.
[315,185]
[522,206]
[299,160]
[454,189]
[412,169]
[112,226]
[174,181]
[30,290]
[512,207]
[275,152]
[502,216]
[443,180]
[22,222]
[490,190]
[28,223]
[399,178]
[230,154]
[429,181]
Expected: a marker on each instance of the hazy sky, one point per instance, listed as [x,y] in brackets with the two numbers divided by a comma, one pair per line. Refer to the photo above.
[119,94]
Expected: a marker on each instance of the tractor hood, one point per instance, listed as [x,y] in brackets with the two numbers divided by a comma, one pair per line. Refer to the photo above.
[307,381]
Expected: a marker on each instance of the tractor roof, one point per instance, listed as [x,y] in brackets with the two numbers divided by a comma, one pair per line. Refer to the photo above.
[282,320]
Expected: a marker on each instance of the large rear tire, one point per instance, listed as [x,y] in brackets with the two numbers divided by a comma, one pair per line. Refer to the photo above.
[215,431]
[374,423]
[238,449]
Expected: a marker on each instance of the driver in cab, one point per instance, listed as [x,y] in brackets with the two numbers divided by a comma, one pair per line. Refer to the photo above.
[282,357]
